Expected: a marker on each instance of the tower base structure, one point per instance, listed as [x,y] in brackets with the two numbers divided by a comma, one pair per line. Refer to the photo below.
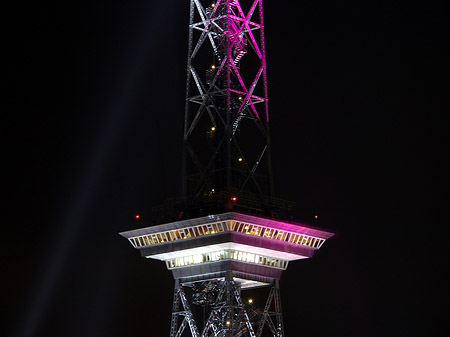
[214,259]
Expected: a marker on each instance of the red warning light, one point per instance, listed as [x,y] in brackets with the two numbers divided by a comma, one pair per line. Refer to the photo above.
[316,216]
[233,199]
[137,216]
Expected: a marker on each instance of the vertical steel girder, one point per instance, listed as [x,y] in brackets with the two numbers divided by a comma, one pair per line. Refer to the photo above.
[266,319]
[176,331]
[228,316]
[222,95]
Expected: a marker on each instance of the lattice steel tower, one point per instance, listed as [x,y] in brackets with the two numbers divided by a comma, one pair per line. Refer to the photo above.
[214,250]
[226,130]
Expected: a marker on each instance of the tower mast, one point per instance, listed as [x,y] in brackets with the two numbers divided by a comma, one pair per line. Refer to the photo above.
[226,130]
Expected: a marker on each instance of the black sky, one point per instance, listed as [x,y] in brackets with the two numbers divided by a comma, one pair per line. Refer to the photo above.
[92,116]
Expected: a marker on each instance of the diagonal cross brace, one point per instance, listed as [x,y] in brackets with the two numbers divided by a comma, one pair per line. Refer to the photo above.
[189,317]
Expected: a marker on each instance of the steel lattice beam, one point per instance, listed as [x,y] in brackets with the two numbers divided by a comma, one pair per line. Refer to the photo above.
[228,316]
[234,99]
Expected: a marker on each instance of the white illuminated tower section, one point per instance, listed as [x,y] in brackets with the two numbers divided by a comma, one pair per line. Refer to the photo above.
[217,257]
[227,239]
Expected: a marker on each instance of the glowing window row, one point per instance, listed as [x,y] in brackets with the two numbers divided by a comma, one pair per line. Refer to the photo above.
[276,234]
[178,234]
[228,254]
[236,226]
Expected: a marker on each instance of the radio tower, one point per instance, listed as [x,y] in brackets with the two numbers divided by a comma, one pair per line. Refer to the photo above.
[226,239]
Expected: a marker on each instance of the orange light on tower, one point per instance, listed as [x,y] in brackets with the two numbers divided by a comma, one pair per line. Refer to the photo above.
[233,199]
[137,216]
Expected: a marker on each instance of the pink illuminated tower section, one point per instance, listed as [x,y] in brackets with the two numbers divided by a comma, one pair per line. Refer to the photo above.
[226,131]
[228,237]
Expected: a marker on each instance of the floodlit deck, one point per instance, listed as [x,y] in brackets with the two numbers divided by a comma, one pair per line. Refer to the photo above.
[215,240]
[274,230]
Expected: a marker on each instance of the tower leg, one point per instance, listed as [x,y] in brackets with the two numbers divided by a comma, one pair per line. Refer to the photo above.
[278,313]
[274,298]
[175,310]
[176,331]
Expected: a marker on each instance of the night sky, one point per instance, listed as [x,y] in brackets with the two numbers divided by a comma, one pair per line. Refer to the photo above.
[92,120]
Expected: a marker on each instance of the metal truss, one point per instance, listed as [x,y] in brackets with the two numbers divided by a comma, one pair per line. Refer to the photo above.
[226,130]
[274,300]
[227,314]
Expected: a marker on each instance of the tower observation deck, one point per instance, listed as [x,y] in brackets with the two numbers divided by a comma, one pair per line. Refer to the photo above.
[216,250]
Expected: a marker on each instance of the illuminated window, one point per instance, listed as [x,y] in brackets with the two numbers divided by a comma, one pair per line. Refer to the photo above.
[230,225]
[273,234]
[182,233]
[146,241]
[263,230]
[200,230]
